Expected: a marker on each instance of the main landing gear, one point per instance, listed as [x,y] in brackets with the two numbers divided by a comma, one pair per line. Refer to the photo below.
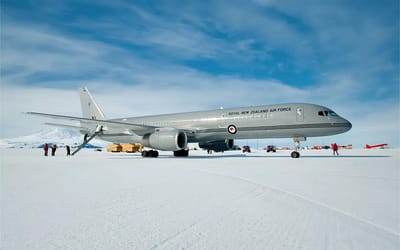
[150,153]
[295,153]
[154,153]
[181,153]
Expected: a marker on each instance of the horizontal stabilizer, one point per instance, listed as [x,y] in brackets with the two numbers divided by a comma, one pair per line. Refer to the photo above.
[66,126]
[138,129]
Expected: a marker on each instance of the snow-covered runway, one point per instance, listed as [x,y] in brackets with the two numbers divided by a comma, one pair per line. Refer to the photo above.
[99,200]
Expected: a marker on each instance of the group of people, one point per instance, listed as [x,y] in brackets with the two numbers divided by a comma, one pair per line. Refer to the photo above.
[53,149]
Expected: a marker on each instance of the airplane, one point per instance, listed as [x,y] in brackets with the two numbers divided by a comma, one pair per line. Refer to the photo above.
[376,146]
[212,130]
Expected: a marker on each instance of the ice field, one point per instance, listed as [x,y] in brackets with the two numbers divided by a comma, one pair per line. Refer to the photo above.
[101,200]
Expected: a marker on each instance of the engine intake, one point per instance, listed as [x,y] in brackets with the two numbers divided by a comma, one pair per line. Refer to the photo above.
[166,139]
[217,146]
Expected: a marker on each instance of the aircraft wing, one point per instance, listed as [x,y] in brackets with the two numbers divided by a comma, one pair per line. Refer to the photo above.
[139,129]
[67,126]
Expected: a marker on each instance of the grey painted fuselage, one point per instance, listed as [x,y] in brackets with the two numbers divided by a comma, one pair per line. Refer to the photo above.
[289,120]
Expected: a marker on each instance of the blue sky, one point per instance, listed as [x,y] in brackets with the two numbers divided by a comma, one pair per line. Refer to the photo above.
[149,57]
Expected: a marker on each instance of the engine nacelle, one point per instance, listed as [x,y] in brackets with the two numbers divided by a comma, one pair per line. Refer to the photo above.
[217,146]
[166,139]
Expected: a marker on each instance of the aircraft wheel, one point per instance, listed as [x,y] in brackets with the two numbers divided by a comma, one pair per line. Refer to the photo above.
[181,153]
[295,154]
[154,153]
[150,153]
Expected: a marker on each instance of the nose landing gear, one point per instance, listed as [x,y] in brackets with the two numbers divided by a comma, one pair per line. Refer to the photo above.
[295,153]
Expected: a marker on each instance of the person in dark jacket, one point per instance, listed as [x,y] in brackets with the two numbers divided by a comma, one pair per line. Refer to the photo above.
[46,149]
[53,150]
[68,150]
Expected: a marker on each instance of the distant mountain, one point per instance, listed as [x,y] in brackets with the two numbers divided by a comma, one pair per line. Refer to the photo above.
[61,137]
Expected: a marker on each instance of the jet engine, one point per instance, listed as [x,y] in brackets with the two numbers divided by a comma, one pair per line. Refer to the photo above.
[217,146]
[166,139]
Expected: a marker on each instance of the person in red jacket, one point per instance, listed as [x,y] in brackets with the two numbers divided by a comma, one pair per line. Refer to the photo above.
[46,149]
[335,148]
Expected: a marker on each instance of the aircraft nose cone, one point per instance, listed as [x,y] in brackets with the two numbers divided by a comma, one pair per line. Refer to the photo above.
[348,125]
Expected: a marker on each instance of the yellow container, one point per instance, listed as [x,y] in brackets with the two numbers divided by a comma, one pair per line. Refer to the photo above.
[132,148]
[114,148]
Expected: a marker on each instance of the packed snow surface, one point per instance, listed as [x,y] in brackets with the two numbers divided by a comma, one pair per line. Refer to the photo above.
[101,200]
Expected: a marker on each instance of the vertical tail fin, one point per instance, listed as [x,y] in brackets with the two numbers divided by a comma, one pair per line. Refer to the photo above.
[90,109]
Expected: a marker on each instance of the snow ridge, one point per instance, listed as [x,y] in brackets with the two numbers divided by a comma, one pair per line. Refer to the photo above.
[61,137]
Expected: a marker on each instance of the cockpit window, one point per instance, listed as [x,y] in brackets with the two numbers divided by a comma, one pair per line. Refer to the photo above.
[327,113]
[332,113]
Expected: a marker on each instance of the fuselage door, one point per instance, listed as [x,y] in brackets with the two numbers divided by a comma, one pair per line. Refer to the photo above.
[222,120]
[299,114]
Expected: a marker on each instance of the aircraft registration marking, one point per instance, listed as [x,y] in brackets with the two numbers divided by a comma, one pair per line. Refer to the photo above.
[258,111]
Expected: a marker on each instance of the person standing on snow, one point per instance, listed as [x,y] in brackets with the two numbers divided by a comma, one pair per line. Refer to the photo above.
[46,149]
[335,148]
[53,150]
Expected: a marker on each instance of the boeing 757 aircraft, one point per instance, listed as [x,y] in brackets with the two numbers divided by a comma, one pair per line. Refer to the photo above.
[213,129]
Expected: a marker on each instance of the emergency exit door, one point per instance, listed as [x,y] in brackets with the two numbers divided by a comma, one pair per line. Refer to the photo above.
[299,114]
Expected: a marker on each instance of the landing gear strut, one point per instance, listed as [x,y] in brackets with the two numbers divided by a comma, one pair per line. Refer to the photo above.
[295,153]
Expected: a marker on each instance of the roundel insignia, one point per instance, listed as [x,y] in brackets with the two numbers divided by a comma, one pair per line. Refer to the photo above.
[232,129]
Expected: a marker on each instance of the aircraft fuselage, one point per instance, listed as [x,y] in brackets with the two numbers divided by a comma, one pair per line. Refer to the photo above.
[289,120]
